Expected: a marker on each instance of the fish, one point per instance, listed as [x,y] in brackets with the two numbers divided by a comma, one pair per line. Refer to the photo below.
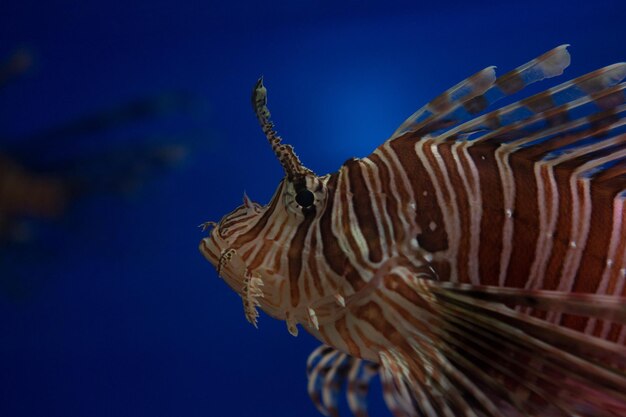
[475,262]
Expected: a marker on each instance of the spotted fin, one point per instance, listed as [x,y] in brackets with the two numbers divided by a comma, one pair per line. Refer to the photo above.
[549,108]
[481,90]
[467,89]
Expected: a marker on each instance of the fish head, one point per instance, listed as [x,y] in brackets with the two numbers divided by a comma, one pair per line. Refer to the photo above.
[253,246]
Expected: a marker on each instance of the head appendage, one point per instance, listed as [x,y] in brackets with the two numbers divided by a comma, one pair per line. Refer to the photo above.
[294,169]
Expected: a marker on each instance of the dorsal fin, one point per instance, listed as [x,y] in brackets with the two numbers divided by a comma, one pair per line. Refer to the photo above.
[552,105]
[481,90]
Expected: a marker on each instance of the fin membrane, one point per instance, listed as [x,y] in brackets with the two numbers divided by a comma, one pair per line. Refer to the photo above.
[485,358]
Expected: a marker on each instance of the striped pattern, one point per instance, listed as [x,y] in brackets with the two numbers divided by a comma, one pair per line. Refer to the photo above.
[329,370]
[405,259]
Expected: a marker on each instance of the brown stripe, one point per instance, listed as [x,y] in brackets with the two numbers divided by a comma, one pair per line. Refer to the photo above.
[557,116]
[261,254]
[373,314]
[362,201]
[562,232]
[259,259]
[492,217]
[492,120]
[476,104]
[330,247]
[610,98]
[294,255]
[307,286]
[255,231]
[539,102]
[342,328]
[334,256]
[427,209]
[445,150]
[440,103]
[400,194]
[312,263]
[595,253]
[525,221]
[617,185]
[382,199]
[447,206]
[349,271]
[395,284]
[443,269]
[367,342]
[511,82]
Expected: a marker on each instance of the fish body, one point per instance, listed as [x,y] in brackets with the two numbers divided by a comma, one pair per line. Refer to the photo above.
[475,261]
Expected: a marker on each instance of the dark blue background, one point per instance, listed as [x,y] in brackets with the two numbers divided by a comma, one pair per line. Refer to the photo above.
[126,318]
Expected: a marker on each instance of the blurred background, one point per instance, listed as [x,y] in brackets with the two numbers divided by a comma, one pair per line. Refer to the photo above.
[124,125]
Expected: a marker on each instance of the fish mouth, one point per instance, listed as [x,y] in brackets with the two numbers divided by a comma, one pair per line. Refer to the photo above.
[232,269]
[207,247]
[220,254]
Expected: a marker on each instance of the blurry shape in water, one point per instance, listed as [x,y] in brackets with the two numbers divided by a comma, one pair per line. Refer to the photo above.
[15,65]
[35,194]
[475,262]
[42,174]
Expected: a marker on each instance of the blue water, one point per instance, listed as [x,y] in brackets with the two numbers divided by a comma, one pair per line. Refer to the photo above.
[123,316]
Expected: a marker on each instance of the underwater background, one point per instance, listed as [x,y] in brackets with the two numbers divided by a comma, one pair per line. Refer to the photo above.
[108,308]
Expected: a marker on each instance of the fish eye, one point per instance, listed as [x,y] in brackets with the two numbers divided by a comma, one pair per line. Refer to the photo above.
[305,198]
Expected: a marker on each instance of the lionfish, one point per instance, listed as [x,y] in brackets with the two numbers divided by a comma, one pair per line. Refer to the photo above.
[475,261]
